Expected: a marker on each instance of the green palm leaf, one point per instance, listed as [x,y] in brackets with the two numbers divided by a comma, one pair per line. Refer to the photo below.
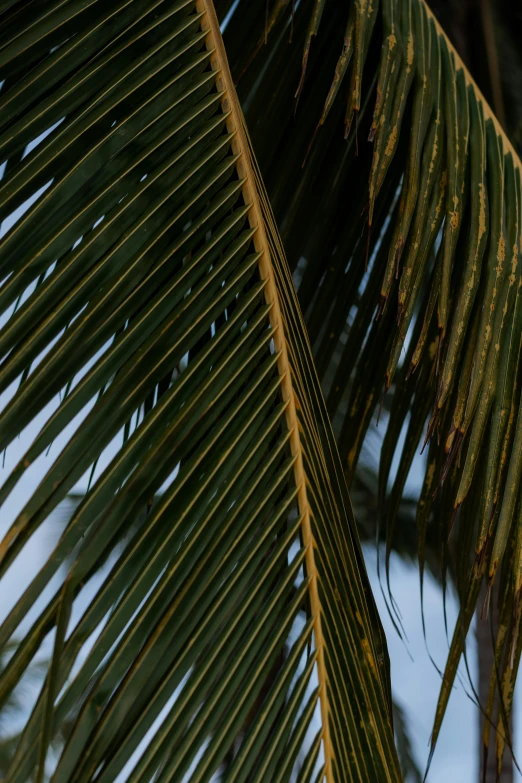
[399,199]
[214,619]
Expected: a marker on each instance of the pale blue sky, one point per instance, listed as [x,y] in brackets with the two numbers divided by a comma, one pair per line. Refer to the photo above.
[415,683]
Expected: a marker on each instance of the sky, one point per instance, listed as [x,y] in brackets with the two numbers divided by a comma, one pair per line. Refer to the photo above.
[416,683]
[415,680]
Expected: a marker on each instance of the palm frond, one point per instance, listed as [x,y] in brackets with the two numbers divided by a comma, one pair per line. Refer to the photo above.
[214,619]
[399,199]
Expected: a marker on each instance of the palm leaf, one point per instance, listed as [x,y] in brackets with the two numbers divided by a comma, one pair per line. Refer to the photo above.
[208,605]
[399,199]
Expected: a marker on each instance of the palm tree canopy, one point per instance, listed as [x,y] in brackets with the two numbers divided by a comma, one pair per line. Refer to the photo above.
[146,282]
[399,200]
[230,629]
